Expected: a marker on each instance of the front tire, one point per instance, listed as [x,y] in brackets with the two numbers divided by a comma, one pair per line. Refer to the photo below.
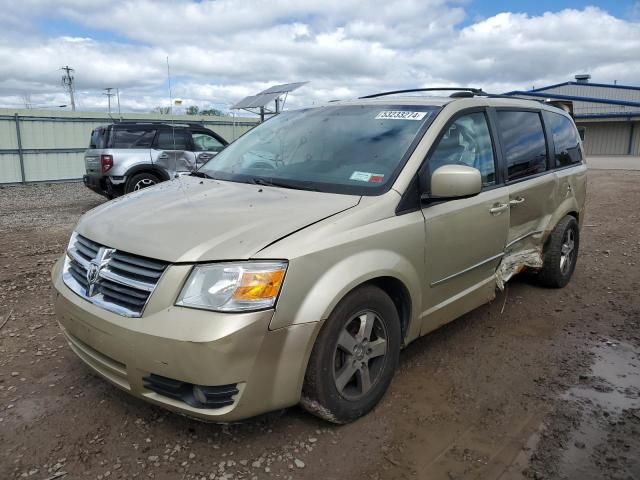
[560,254]
[140,181]
[354,357]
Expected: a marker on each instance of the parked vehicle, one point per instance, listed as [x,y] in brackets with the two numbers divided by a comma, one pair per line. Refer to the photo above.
[125,157]
[295,266]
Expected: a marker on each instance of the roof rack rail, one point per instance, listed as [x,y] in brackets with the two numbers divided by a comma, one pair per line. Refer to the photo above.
[475,91]
[500,95]
[159,122]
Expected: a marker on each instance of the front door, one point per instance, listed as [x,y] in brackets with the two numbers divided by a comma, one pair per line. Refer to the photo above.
[172,151]
[466,237]
[205,146]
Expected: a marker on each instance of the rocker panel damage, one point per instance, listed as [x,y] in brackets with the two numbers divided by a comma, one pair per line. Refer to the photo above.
[515,262]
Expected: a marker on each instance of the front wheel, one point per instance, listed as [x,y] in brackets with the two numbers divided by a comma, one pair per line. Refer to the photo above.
[354,358]
[560,254]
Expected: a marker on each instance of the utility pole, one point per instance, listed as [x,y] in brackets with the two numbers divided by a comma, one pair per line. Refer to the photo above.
[118,97]
[109,95]
[67,83]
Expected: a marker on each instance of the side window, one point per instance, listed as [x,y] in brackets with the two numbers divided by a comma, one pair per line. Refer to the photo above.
[131,137]
[467,142]
[524,144]
[565,139]
[172,140]
[98,138]
[206,143]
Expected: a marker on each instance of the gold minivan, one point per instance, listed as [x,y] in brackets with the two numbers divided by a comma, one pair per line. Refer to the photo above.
[294,266]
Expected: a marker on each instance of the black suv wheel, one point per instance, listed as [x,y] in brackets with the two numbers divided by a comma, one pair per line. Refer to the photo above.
[140,181]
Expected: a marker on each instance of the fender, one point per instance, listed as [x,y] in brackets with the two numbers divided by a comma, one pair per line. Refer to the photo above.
[147,167]
[568,206]
[333,284]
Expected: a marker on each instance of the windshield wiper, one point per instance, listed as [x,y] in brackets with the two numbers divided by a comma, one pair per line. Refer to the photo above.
[201,175]
[271,183]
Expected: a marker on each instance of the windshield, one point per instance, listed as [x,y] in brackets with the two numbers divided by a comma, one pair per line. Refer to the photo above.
[342,149]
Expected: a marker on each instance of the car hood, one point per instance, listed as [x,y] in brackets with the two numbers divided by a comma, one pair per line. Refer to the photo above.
[192,219]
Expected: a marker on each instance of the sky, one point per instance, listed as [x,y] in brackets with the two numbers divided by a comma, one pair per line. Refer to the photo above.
[220,51]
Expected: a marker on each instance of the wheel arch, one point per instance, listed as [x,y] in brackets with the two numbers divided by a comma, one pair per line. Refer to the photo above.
[566,210]
[399,294]
[309,298]
[147,168]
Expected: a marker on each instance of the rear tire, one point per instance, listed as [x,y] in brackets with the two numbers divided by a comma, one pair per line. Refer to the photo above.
[354,358]
[140,181]
[560,254]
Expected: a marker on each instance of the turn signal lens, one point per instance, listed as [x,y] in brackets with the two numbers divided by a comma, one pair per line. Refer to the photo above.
[259,285]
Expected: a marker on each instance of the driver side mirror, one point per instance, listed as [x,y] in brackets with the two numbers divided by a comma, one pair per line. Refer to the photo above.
[455,181]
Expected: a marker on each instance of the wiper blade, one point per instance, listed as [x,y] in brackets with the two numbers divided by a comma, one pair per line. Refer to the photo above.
[271,183]
[201,175]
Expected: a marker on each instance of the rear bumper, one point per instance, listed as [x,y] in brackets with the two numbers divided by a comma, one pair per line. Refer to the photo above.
[191,346]
[104,185]
[97,184]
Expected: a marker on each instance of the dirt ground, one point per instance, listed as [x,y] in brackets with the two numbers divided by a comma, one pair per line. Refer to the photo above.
[540,383]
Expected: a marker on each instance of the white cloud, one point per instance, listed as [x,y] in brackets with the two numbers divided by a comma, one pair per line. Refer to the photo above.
[223,50]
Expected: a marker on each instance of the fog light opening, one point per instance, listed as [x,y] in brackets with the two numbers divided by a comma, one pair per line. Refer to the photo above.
[199,394]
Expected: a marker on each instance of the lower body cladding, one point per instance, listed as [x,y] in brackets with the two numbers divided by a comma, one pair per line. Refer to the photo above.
[107,186]
[211,366]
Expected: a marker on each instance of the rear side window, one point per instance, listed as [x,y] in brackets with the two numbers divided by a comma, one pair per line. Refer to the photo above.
[524,144]
[132,138]
[172,140]
[565,139]
[98,138]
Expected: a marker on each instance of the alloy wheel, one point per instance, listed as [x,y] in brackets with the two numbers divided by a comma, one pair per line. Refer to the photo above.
[143,183]
[567,250]
[360,355]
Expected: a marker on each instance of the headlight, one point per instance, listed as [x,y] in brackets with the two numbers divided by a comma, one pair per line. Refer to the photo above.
[233,287]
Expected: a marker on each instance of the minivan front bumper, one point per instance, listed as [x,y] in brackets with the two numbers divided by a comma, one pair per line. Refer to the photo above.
[226,352]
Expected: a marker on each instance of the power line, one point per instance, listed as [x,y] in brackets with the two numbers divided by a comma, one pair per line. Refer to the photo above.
[67,83]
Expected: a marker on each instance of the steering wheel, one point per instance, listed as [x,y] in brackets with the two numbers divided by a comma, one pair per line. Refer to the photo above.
[262,165]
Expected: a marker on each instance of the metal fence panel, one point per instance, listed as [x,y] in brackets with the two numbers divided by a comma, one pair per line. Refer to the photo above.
[38,167]
[10,168]
[8,139]
[40,146]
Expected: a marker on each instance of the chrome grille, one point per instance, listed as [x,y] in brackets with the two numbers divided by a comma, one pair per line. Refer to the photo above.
[116,281]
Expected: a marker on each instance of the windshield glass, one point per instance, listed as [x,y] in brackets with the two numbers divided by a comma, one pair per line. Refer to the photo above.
[343,149]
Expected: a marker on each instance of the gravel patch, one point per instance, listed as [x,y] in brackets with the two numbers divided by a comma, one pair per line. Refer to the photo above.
[45,205]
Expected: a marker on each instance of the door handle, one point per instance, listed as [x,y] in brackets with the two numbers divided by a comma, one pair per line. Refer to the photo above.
[498,208]
[516,201]
[163,156]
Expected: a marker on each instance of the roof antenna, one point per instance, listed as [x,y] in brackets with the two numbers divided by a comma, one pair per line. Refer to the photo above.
[173,128]
[169,82]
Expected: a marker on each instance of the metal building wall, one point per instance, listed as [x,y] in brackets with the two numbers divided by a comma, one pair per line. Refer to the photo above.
[610,138]
[613,92]
[611,129]
[635,141]
[49,146]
